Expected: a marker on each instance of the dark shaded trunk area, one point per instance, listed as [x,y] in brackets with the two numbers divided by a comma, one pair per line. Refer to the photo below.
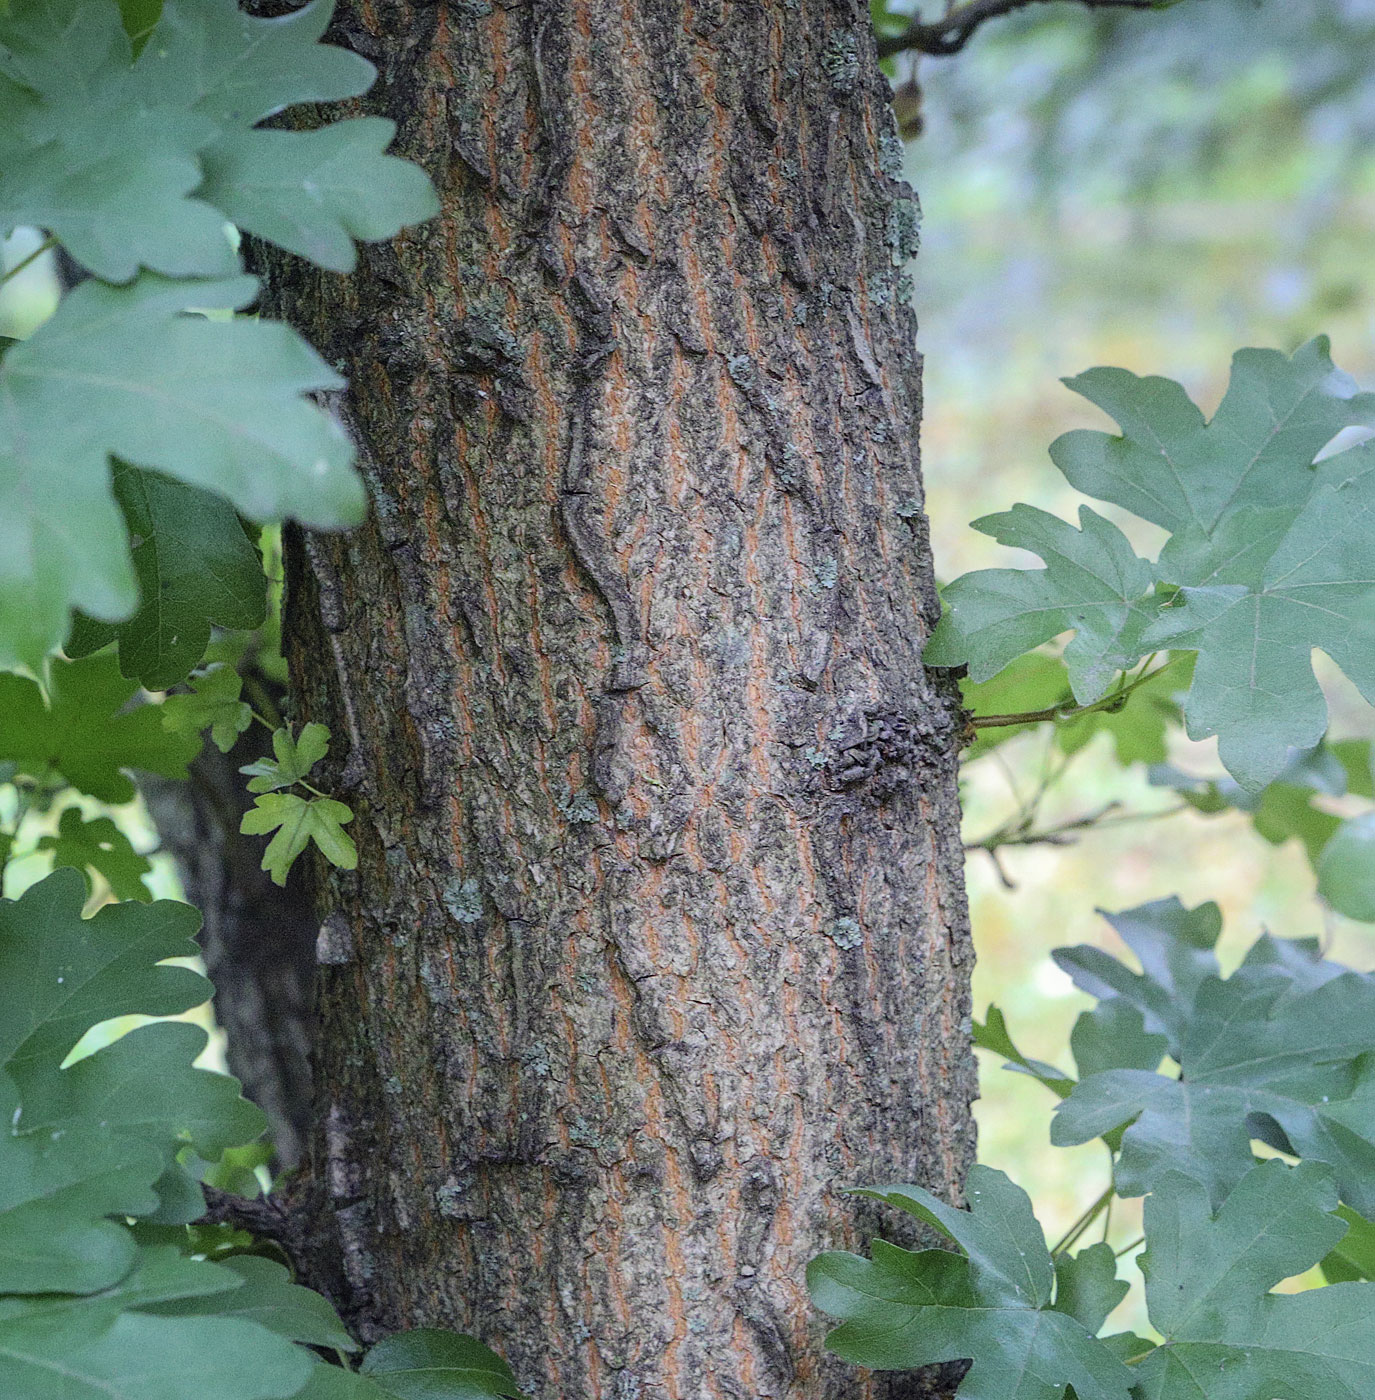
[258,941]
[658,937]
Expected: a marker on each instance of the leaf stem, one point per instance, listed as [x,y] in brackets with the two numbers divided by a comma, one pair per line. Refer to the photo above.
[1089,1216]
[263,699]
[1127,1248]
[45,246]
[1059,713]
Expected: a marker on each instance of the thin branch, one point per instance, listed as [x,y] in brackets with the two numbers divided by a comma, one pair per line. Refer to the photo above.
[1072,1235]
[46,246]
[953,31]
[1064,712]
[1062,835]
[276,1217]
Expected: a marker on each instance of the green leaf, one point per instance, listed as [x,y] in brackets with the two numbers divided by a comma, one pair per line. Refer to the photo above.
[294,759]
[268,1297]
[61,974]
[1352,1258]
[994,1035]
[91,161]
[1175,948]
[432,1364]
[214,703]
[1208,1276]
[140,19]
[1093,584]
[236,69]
[1270,554]
[301,820]
[83,735]
[1113,1035]
[1283,1050]
[216,404]
[144,1085]
[61,1348]
[197,566]
[315,192]
[75,1354]
[101,846]
[334,1383]
[1087,1286]
[55,1200]
[1346,868]
[111,154]
[901,1309]
[1176,470]
[98,1137]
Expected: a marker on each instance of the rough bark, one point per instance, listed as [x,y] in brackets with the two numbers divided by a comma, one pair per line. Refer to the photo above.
[658,935]
[258,940]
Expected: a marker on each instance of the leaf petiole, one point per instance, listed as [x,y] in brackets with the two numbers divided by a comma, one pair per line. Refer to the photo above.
[1059,713]
[46,246]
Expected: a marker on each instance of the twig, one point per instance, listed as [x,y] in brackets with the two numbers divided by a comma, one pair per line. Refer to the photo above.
[953,31]
[1084,1221]
[276,1217]
[1063,712]
[1060,835]
[45,246]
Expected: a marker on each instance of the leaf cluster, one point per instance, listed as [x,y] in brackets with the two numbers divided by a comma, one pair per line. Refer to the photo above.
[1181,1071]
[106,1286]
[1268,555]
[136,157]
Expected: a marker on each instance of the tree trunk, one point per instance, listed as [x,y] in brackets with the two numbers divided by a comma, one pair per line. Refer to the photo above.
[258,941]
[658,936]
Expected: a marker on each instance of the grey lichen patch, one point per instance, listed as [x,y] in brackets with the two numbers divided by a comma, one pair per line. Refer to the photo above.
[845,933]
[891,154]
[578,806]
[742,371]
[904,228]
[825,574]
[909,509]
[734,648]
[841,60]
[449,1199]
[463,899]
[815,757]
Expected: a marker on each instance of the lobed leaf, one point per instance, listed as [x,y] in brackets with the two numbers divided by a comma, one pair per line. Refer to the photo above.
[1208,1275]
[293,759]
[99,845]
[84,734]
[1271,554]
[213,704]
[1283,1050]
[298,821]
[215,404]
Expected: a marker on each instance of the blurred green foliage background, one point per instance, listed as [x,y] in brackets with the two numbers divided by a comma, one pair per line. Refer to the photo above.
[1151,190]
